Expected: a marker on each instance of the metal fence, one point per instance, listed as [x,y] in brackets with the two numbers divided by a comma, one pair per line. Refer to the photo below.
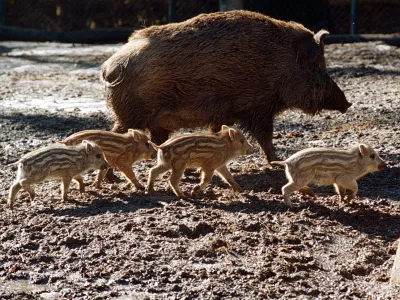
[62,16]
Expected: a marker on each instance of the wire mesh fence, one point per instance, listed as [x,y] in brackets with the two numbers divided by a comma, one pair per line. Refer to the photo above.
[373,16]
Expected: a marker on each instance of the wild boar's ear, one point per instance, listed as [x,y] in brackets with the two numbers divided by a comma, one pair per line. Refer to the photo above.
[320,36]
[89,146]
[363,149]
[232,133]
[306,50]
[224,127]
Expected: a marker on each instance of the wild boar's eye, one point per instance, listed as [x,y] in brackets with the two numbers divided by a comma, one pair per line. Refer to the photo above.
[98,156]
[372,156]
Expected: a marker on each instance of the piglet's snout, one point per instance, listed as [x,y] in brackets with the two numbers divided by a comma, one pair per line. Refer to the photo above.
[382,166]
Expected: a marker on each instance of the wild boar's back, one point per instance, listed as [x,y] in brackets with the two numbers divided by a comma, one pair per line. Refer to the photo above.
[211,69]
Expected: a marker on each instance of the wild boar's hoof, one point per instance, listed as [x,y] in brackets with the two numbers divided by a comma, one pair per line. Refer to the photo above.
[149,190]
[140,187]
[10,206]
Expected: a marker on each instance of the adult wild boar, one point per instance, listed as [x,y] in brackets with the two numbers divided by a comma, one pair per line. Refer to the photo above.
[219,68]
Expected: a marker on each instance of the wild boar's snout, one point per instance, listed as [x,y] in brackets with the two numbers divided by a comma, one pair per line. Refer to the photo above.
[336,99]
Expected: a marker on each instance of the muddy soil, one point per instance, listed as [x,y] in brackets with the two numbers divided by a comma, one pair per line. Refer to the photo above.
[125,244]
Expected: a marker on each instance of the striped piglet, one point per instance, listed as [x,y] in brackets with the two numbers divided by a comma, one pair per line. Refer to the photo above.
[325,166]
[56,162]
[121,150]
[210,152]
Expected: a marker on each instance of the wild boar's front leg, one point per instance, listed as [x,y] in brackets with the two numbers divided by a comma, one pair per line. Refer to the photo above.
[264,138]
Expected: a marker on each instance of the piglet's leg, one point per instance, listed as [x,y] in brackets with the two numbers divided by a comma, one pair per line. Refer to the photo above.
[153,174]
[227,176]
[126,169]
[206,176]
[174,182]
[307,191]
[348,184]
[13,192]
[79,179]
[287,190]
[66,181]
[341,191]
[27,187]
[100,177]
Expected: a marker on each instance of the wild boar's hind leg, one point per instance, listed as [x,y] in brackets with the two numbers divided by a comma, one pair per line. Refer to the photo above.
[118,128]
[159,135]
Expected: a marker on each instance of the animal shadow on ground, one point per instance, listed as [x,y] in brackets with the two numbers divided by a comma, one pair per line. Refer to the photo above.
[382,184]
[54,123]
[262,181]
[362,217]
[104,204]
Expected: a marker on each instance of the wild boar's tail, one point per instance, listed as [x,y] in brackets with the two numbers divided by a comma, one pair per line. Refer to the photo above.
[122,66]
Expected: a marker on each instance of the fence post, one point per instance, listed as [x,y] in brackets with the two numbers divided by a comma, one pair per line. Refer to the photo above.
[3,12]
[354,11]
[171,11]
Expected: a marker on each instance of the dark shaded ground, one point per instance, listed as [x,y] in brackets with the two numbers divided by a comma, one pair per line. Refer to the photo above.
[125,244]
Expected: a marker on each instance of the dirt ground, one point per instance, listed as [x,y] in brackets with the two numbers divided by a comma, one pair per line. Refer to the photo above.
[125,244]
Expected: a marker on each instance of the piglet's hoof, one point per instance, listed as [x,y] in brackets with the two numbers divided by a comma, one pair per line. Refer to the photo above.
[112,178]
[195,192]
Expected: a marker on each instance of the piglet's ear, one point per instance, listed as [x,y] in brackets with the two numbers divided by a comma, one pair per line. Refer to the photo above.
[232,133]
[320,36]
[363,149]
[89,146]
[136,134]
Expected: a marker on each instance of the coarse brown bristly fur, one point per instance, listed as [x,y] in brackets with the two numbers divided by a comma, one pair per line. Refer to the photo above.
[219,68]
